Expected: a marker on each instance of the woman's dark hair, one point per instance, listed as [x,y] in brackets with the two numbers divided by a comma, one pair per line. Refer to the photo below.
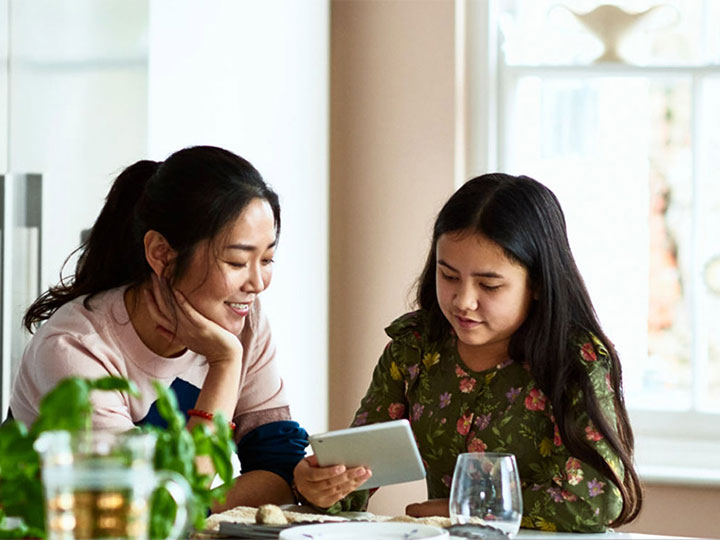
[524,218]
[191,196]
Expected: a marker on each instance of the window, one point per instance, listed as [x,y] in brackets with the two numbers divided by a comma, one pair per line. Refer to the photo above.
[630,149]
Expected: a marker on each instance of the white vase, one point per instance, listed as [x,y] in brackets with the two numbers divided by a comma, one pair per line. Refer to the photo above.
[610,24]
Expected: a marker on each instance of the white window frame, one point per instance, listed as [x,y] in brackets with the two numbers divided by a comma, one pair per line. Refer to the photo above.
[671,447]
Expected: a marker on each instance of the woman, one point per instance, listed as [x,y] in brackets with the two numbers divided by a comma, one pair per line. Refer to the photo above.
[166,288]
[505,354]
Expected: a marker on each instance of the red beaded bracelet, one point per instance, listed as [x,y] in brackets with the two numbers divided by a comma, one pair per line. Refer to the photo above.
[207,416]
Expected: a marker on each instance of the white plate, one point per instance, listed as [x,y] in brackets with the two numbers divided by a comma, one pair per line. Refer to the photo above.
[353,531]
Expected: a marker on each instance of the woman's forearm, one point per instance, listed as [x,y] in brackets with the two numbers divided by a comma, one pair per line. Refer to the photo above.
[255,488]
[219,391]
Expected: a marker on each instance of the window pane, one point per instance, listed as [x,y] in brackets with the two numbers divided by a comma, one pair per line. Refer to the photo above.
[670,318]
[617,153]
[709,237]
[547,32]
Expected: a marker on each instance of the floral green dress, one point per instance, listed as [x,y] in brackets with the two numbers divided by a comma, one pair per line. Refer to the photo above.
[453,409]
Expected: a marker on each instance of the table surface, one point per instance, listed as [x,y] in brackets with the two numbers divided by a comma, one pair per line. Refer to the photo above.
[242,514]
[526,534]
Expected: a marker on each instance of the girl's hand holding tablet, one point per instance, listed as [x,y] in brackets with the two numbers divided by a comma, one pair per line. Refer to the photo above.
[324,486]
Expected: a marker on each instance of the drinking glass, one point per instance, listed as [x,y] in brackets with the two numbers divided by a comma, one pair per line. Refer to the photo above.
[99,484]
[486,492]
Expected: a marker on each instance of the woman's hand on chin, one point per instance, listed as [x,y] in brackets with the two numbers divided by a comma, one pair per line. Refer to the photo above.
[178,321]
[433,507]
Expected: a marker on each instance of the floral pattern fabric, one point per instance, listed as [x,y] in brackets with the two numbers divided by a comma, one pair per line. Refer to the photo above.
[453,410]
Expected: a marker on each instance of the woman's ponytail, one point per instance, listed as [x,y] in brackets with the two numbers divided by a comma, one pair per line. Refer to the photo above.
[113,255]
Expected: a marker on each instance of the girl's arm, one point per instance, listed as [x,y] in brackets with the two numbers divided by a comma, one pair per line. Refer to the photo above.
[566,493]
[573,497]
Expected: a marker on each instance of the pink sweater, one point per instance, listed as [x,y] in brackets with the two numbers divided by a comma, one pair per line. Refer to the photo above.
[102,341]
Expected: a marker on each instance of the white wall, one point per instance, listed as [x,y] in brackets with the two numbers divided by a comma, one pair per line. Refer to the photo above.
[252,76]
[4,43]
[77,107]
[73,77]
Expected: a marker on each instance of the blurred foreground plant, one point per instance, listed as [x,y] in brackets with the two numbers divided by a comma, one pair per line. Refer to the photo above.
[68,407]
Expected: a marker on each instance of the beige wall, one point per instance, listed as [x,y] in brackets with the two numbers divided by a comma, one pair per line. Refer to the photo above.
[391,151]
[679,510]
[391,167]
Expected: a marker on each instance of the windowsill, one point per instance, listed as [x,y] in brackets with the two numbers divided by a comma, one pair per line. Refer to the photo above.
[679,476]
[678,462]
[611,68]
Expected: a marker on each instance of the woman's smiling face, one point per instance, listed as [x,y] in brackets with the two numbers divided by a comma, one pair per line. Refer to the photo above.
[484,295]
[226,274]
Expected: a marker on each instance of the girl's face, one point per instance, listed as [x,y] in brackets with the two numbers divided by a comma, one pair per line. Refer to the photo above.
[225,275]
[484,295]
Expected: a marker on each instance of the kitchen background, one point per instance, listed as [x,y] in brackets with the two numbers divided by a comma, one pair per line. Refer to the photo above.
[365,115]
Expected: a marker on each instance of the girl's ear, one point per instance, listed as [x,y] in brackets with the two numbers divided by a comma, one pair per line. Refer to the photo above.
[158,253]
[534,289]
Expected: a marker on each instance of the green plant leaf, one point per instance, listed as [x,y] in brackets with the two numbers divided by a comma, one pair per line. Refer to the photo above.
[19,529]
[68,407]
[162,513]
[20,487]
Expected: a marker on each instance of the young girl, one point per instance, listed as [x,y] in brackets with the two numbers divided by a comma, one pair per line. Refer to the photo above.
[505,354]
[166,288]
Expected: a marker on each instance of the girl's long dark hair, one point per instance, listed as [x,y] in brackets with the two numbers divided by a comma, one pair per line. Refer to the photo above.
[525,219]
[189,197]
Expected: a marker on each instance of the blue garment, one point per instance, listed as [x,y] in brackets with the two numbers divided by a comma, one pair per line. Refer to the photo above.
[276,446]
[186,395]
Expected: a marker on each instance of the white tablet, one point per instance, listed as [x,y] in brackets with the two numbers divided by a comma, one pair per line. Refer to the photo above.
[386,448]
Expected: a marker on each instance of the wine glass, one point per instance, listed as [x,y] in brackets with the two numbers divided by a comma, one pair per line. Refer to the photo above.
[486,493]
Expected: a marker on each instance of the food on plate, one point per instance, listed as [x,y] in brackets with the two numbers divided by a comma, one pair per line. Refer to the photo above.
[269,514]
[435,521]
[248,514]
[239,514]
